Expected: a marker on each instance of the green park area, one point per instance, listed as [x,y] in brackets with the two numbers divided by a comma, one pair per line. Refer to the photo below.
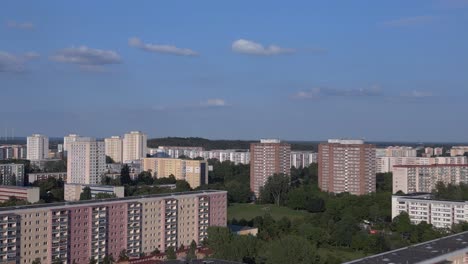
[250,211]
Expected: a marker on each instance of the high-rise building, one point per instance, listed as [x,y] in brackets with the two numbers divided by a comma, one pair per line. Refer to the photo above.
[67,140]
[134,146]
[37,147]
[12,174]
[458,150]
[86,161]
[424,178]
[76,232]
[114,148]
[347,166]
[302,159]
[195,172]
[268,157]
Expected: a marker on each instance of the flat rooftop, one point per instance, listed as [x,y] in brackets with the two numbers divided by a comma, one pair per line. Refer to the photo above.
[433,251]
[130,198]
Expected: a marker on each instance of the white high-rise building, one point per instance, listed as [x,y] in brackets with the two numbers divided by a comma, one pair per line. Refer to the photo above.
[69,139]
[114,148]
[37,147]
[134,146]
[86,161]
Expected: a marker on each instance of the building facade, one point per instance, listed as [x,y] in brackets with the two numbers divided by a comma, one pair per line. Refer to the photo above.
[73,191]
[67,140]
[78,232]
[134,146]
[458,150]
[37,147]
[302,159]
[114,148]
[86,162]
[422,207]
[400,151]
[41,176]
[30,194]
[268,157]
[195,172]
[13,152]
[385,164]
[424,178]
[347,166]
[12,174]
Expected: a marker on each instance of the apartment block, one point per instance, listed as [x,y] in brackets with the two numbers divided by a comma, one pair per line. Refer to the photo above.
[37,147]
[195,172]
[424,178]
[268,157]
[12,174]
[237,156]
[30,194]
[86,162]
[134,146]
[41,176]
[458,150]
[12,152]
[422,207]
[77,232]
[67,140]
[302,159]
[347,166]
[400,151]
[73,191]
[114,148]
[385,164]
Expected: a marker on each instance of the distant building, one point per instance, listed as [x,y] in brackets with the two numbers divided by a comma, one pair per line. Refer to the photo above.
[8,152]
[30,194]
[429,152]
[438,151]
[424,178]
[302,159]
[422,207]
[458,150]
[268,157]
[347,166]
[86,162]
[195,172]
[386,164]
[449,249]
[134,146]
[12,174]
[73,190]
[114,148]
[400,151]
[41,176]
[37,147]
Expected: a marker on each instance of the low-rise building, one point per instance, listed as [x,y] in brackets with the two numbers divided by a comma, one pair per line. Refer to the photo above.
[73,190]
[12,152]
[195,172]
[30,194]
[386,164]
[40,176]
[12,174]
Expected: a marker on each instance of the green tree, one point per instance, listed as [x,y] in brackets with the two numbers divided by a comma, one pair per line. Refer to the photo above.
[289,249]
[170,253]
[191,254]
[109,159]
[275,189]
[123,255]
[182,186]
[125,175]
[155,251]
[86,194]
[92,261]
[36,261]
[108,259]
[145,177]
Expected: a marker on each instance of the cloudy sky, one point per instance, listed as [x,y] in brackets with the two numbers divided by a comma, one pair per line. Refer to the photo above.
[297,70]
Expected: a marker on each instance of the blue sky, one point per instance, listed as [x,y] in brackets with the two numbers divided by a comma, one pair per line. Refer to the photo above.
[297,70]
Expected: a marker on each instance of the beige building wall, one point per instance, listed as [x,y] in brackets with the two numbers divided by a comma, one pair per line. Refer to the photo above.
[195,172]
[153,225]
[114,148]
[134,146]
[72,192]
[35,223]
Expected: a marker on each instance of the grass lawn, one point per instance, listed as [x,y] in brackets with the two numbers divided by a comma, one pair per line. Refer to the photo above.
[250,211]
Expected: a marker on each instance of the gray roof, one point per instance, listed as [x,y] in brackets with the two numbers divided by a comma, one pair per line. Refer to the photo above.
[434,251]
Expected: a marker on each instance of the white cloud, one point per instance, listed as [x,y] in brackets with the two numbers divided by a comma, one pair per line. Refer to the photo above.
[252,48]
[316,93]
[14,63]
[85,56]
[215,102]
[20,25]
[410,21]
[167,49]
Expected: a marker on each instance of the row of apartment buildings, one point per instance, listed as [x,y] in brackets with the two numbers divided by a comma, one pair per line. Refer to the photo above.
[386,164]
[78,232]
[8,152]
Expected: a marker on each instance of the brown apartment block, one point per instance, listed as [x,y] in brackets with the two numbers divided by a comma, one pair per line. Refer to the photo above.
[347,166]
[268,157]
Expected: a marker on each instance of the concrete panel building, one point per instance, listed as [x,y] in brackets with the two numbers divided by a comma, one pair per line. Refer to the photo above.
[13,152]
[302,159]
[424,178]
[37,147]
[386,164]
[30,194]
[12,174]
[347,166]
[114,148]
[268,157]
[134,146]
[195,172]
[73,191]
[77,232]
[41,176]
[86,162]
